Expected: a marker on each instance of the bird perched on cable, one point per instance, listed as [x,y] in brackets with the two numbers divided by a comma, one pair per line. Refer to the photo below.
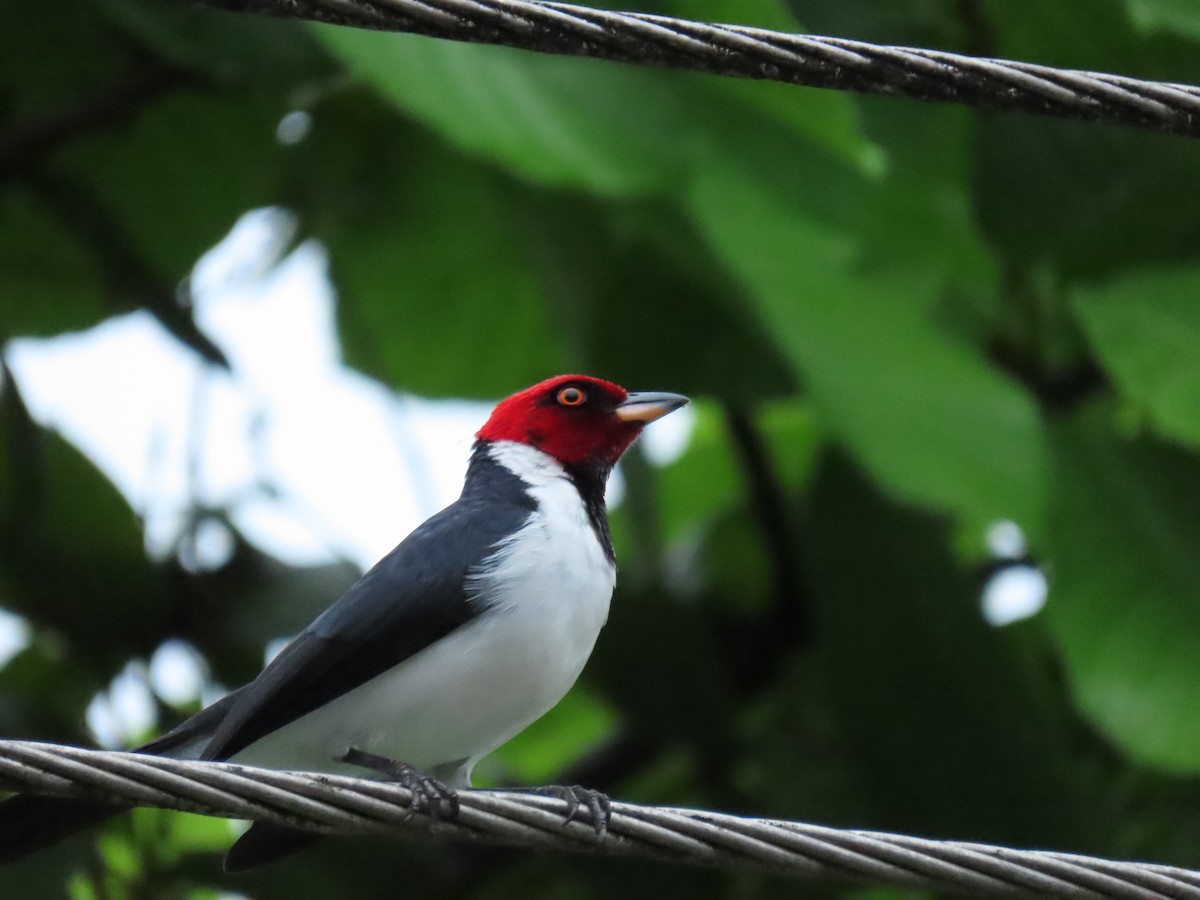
[472,628]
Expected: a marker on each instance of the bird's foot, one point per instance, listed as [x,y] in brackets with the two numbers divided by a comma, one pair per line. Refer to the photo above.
[598,806]
[428,794]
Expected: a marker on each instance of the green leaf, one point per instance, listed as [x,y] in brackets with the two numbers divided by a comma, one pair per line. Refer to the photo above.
[172,834]
[1124,526]
[71,542]
[1087,34]
[143,185]
[911,23]
[792,441]
[423,239]
[831,119]
[48,284]
[173,183]
[610,129]
[1146,330]
[637,295]
[572,123]
[225,47]
[579,723]
[28,41]
[921,214]
[653,639]
[437,294]
[120,857]
[949,726]
[1179,16]
[929,418]
[1085,200]
[46,688]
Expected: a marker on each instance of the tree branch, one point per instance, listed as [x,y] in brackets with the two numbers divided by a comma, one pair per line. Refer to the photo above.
[85,216]
[789,624]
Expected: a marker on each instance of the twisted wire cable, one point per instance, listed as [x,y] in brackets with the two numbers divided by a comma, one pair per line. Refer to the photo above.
[740,51]
[340,805]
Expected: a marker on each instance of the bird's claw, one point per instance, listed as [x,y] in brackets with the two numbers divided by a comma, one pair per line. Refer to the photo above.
[598,806]
[428,794]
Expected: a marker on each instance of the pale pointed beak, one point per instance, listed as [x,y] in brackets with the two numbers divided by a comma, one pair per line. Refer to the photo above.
[646,406]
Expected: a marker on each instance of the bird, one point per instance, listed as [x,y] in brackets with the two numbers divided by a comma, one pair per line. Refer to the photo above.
[470,629]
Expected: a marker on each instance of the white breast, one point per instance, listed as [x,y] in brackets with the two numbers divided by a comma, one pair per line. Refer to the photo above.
[547,592]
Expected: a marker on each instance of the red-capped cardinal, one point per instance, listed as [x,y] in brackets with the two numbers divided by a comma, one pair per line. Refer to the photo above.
[473,627]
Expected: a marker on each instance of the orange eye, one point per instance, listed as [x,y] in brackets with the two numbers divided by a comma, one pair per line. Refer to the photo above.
[571,396]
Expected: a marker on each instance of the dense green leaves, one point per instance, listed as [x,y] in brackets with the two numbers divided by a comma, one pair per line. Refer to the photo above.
[1146,328]
[951,715]
[889,381]
[55,285]
[609,129]
[900,322]
[633,293]
[1085,202]
[556,121]
[266,51]
[62,78]
[69,542]
[1179,16]
[140,187]
[422,243]
[1124,528]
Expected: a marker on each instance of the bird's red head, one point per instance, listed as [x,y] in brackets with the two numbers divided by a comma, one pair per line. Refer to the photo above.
[577,419]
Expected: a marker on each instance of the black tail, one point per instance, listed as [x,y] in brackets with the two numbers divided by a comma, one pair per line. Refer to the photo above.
[265,843]
[29,822]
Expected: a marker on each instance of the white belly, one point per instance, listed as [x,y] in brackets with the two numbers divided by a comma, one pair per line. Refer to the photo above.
[546,597]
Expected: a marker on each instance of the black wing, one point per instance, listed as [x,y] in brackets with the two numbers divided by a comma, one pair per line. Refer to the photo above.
[411,598]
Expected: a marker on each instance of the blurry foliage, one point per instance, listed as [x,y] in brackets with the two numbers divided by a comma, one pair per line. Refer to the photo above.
[930,317]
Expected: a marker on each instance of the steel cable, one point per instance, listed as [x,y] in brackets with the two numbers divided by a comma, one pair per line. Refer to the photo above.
[745,52]
[337,804]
